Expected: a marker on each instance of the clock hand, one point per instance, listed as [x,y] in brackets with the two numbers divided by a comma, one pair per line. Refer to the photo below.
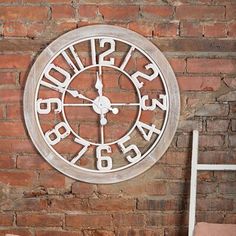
[74,93]
[99,85]
[103,120]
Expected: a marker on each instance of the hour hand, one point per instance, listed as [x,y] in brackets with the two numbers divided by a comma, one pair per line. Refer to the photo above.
[99,85]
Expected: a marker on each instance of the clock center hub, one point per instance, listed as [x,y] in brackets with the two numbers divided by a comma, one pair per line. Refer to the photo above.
[101,105]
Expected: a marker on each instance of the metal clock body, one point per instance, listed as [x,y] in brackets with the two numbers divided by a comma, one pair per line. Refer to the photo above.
[101,104]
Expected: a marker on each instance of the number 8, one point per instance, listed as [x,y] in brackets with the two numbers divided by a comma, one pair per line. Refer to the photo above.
[57,133]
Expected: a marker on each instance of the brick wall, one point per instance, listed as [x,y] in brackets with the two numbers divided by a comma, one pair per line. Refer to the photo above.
[198,38]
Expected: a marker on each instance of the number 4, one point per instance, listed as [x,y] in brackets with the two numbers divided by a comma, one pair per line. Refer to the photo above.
[151,129]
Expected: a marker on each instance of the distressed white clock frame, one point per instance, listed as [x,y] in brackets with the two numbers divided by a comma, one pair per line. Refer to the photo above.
[171,89]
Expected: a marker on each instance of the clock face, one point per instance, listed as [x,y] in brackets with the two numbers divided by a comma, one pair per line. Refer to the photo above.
[101,104]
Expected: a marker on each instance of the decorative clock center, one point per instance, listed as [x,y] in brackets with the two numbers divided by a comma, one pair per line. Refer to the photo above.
[101,105]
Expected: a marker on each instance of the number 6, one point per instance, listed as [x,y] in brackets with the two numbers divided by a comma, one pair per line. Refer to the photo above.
[103,159]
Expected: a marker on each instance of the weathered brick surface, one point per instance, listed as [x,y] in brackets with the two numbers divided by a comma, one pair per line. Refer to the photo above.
[198,39]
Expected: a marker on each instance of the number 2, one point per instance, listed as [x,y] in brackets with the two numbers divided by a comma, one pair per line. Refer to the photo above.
[145,76]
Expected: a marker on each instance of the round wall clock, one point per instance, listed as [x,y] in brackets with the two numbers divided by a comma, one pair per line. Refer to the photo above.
[101,104]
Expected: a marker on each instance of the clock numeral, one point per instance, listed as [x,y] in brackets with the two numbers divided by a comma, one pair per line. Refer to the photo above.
[48,105]
[145,76]
[111,61]
[103,162]
[130,148]
[93,51]
[151,129]
[82,151]
[55,81]
[70,62]
[155,103]
[56,133]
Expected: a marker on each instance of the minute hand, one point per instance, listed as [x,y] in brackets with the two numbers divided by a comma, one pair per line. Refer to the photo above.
[74,93]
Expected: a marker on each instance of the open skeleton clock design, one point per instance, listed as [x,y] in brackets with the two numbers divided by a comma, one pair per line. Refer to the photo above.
[101,104]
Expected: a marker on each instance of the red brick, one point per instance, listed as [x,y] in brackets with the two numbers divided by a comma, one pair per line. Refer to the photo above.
[12,129]
[175,158]
[35,29]
[206,187]
[130,220]
[62,27]
[6,161]
[217,125]
[96,232]
[21,232]
[83,189]
[214,204]
[146,232]
[48,1]
[14,29]
[88,11]
[17,178]
[10,95]
[6,219]
[191,29]
[205,65]
[178,188]
[32,162]
[232,29]
[159,204]
[156,188]
[112,204]
[142,28]
[14,111]
[178,64]
[157,11]
[2,111]
[25,204]
[8,78]
[217,157]
[227,188]
[199,83]
[88,221]
[211,141]
[167,29]
[16,145]
[230,11]
[215,30]
[14,61]
[119,12]
[52,179]
[31,13]
[189,125]
[200,12]
[232,140]
[62,12]
[39,220]
[58,233]
[68,204]
[213,109]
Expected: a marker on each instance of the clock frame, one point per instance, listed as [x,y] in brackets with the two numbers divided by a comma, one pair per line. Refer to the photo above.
[158,68]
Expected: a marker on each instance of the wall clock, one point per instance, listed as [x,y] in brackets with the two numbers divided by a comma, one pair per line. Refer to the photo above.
[101,104]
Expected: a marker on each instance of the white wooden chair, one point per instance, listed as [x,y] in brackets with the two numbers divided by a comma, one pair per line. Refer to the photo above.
[195,167]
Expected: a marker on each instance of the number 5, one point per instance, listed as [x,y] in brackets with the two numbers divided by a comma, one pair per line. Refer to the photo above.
[131,147]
